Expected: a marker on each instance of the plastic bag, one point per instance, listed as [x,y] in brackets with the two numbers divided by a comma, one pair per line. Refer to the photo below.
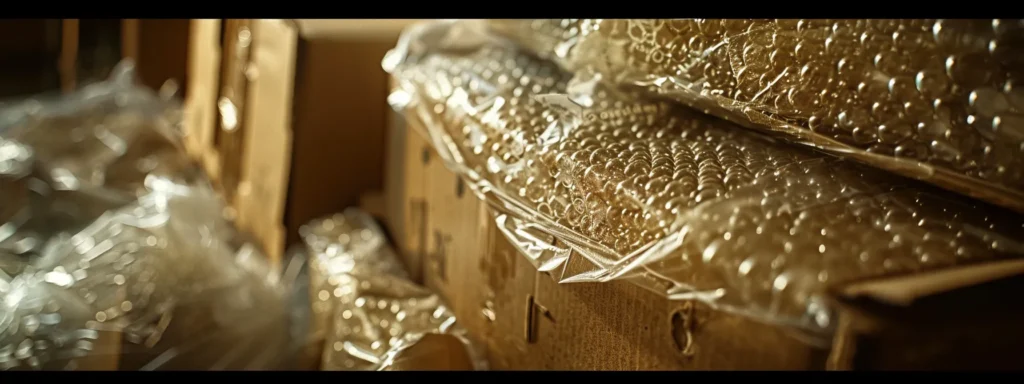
[115,253]
[937,100]
[687,205]
[373,317]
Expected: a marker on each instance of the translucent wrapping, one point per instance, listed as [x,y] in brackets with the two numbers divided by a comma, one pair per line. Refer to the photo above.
[373,317]
[937,100]
[687,205]
[113,249]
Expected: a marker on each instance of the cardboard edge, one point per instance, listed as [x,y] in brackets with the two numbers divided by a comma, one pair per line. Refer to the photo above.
[857,302]
[905,290]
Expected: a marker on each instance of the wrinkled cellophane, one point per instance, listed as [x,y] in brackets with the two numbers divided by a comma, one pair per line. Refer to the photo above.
[114,252]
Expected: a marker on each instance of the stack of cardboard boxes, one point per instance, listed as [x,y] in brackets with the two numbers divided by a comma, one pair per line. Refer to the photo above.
[528,321]
[290,117]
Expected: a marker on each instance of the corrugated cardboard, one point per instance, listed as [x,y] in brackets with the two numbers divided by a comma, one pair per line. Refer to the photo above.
[405,193]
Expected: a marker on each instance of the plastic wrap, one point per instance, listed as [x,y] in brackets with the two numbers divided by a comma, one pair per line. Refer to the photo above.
[937,100]
[114,251]
[373,317]
[687,205]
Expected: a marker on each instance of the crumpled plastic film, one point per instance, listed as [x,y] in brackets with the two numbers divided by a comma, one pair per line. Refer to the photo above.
[114,251]
[937,100]
[373,316]
[687,205]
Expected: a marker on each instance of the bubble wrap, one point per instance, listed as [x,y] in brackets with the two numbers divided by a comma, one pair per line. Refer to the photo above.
[937,100]
[113,250]
[688,205]
[373,316]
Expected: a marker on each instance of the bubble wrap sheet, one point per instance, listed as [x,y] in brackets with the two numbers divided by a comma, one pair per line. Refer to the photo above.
[373,316]
[113,250]
[937,100]
[687,205]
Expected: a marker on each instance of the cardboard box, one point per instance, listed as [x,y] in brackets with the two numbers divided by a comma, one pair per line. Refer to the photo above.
[310,128]
[404,214]
[529,321]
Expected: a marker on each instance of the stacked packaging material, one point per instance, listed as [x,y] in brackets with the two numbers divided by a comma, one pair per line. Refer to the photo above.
[938,100]
[368,312]
[113,249]
[644,189]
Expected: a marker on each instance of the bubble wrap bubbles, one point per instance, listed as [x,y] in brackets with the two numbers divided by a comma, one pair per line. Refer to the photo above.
[938,100]
[712,211]
[773,247]
[117,256]
[376,318]
[340,245]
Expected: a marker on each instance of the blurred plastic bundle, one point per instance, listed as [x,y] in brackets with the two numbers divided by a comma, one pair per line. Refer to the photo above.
[688,205]
[113,247]
[371,316]
[937,100]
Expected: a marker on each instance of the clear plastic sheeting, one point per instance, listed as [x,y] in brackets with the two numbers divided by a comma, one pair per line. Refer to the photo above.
[373,316]
[690,206]
[937,100]
[113,249]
